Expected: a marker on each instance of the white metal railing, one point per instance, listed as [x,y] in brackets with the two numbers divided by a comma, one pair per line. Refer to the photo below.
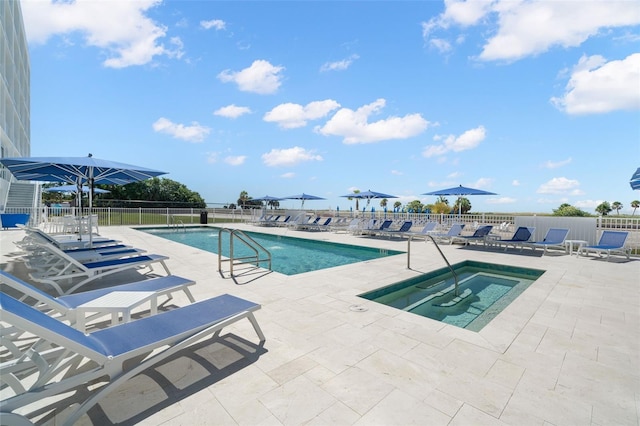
[588,228]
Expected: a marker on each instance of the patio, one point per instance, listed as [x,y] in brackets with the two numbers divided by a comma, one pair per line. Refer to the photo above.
[565,352]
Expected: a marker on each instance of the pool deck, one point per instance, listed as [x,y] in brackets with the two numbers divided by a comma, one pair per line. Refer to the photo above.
[566,352]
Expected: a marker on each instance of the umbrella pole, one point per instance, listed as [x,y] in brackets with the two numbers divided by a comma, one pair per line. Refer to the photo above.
[79,204]
[90,207]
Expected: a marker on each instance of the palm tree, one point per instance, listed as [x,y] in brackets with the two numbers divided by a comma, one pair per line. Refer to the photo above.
[243,198]
[355,191]
[383,203]
[635,204]
[603,208]
[616,205]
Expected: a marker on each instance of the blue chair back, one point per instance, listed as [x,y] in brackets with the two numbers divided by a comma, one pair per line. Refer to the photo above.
[613,238]
[556,235]
[522,234]
[483,231]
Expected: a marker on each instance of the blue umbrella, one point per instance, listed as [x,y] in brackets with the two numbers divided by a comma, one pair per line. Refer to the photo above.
[302,197]
[77,170]
[368,195]
[267,198]
[74,188]
[635,180]
[460,191]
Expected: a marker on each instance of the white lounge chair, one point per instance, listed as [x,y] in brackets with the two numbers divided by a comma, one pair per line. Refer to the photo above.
[554,238]
[65,307]
[400,232]
[68,269]
[611,242]
[428,228]
[94,365]
[448,236]
[62,242]
[522,235]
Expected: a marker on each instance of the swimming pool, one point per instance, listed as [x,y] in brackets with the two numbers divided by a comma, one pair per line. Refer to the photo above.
[290,255]
[485,290]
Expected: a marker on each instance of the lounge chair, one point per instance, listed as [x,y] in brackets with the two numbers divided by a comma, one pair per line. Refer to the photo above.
[351,227]
[554,239]
[321,225]
[66,306]
[94,365]
[62,242]
[69,269]
[479,234]
[428,228]
[44,254]
[611,242]
[377,230]
[405,227]
[453,232]
[521,236]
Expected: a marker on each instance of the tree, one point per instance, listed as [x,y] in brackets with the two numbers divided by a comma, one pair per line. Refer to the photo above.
[274,204]
[568,210]
[617,206]
[604,208]
[635,204]
[462,205]
[415,206]
[243,199]
[383,203]
[397,205]
[154,192]
[355,191]
[440,207]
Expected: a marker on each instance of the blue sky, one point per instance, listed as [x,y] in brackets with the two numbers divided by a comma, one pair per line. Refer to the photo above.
[537,101]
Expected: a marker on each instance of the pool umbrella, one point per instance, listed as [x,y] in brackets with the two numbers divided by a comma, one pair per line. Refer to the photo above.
[78,171]
[302,197]
[267,198]
[460,191]
[635,180]
[368,195]
[74,188]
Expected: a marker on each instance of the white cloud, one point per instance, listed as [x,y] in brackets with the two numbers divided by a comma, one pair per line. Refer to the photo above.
[289,175]
[482,183]
[216,24]
[555,164]
[515,182]
[193,133]
[120,28]
[261,77]
[339,65]
[526,28]
[501,200]
[597,86]
[212,157]
[396,172]
[236,160]
[560,185]
[289,157]
[354,127]
[290,115]
[232,111]
[468,140]
[588,205]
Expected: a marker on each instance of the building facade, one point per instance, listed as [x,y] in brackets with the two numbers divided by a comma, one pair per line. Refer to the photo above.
[15,91]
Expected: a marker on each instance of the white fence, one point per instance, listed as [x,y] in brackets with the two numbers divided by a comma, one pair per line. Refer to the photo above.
[581,228]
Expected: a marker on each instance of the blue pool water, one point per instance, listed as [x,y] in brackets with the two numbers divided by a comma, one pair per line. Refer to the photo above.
[290,256]
[485,289]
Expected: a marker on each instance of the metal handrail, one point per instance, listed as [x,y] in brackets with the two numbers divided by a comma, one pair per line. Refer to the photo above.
[453,272]
[249,242]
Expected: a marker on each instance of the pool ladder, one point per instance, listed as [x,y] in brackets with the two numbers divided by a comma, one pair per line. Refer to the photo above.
[453,272]
[253,245]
